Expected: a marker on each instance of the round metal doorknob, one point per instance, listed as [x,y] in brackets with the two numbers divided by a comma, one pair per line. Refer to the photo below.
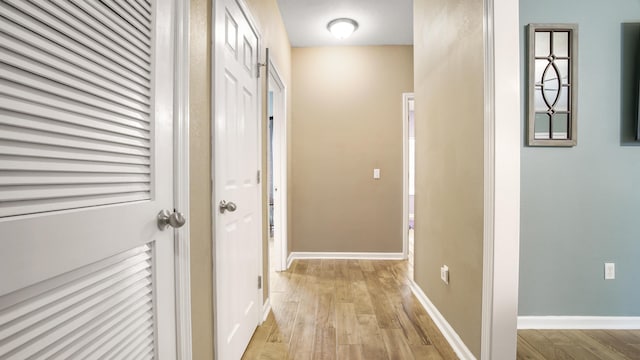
[167,218]
[227,206]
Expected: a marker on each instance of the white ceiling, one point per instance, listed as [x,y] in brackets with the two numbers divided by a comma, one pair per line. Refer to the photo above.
[381,22]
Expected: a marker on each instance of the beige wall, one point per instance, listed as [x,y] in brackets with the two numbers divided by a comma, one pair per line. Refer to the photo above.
[274,36]
[449,159]
[200,177]
[347,115]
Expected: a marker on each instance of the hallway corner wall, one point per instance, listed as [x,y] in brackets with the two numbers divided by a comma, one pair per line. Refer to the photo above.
[200,179]
[449,116]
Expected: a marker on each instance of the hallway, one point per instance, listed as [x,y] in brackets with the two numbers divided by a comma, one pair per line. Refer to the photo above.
[346,309]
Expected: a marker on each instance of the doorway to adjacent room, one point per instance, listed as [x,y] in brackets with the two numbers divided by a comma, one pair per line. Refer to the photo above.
[409,175]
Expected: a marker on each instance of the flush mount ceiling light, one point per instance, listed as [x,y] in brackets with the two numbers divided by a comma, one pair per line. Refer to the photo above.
[342,28]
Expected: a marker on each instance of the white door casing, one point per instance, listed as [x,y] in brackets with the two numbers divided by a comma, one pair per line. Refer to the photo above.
[501,180]
[406,99]
[279,149]
[236,130]
[86,164]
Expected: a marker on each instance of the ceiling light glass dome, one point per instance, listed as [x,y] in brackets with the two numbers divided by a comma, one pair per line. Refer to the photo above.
[342,28]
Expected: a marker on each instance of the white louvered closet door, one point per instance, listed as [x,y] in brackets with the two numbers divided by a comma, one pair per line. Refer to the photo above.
[86,164]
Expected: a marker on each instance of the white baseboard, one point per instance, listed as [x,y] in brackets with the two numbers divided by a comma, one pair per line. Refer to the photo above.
[346,255]
[289,260]
[579,322]
[449,333]
[266,309]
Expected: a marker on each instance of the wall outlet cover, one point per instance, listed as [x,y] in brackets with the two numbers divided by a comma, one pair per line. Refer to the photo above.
[609,271]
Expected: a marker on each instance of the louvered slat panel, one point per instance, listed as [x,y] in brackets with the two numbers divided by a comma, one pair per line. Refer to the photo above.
[55,39]
[43,151]
[130,14]
[114,124]
[21,53]
[119,22]
[25,64]
[26,135]
[49,87]
[124,310]
[119,342]
[96,311]
[132,260]
[38,47]
[140,9]
[53,178]
[98,10]
[22,92]
[143,4]
[75,113]
[106,340]
[60,313]
[18,122]
[69,166]
[40,206]
[70,13]
[126,346]
[79,31]
[32,193]
[142,352]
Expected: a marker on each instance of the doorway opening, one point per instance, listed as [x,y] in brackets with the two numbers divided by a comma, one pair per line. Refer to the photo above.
[276,176]
[409,152]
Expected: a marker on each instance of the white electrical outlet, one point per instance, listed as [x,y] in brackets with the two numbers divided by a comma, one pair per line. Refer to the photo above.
[444,274]
[609,271]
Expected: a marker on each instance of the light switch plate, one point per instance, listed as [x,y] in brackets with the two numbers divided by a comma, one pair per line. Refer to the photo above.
[376,174]
[444,274]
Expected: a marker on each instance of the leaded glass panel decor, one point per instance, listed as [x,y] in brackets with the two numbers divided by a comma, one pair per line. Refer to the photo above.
[553,51]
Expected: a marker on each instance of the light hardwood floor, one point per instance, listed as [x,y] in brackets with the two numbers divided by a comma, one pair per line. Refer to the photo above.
[579,344]
[346,309]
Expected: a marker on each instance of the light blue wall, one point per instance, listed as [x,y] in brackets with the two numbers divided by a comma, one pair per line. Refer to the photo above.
[581,205]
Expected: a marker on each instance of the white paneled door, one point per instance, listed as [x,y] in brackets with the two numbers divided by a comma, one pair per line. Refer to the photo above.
[86,165]
[237,194]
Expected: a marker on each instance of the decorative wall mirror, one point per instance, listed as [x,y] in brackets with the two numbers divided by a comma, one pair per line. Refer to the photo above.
[553,79]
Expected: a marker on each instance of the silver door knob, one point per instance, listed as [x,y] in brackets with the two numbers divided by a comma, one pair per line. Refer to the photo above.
[174,219]
[227,206]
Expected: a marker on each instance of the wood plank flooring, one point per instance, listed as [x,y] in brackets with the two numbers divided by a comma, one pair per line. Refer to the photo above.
[346,309]
[579,344]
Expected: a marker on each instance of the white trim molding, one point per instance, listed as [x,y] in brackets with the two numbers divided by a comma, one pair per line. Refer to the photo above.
[181,195]
[279,162]
[266,309]
[289,261]
[406,97]
[345,255]
[447,331]
[502,141]
[578,322]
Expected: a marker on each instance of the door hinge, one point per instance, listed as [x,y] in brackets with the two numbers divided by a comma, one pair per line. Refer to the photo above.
[258,177]
[259,282]
[258,66]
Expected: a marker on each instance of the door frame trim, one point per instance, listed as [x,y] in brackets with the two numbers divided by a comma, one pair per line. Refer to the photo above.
[501,179]
[280,242]
[405,172]
[181,193]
